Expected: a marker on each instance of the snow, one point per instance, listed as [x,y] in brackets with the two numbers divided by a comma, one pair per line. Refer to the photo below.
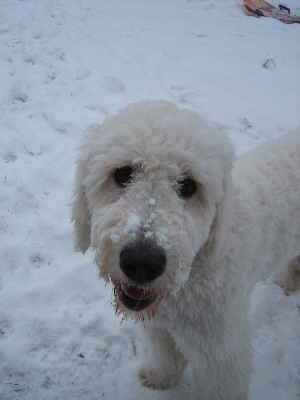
[152,202]
[65,65]
[132,224]
[115,238]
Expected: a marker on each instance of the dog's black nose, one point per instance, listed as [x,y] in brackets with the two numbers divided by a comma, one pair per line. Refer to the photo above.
[143,261]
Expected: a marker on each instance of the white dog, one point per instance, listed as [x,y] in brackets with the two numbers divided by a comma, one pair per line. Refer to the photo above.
[183,237]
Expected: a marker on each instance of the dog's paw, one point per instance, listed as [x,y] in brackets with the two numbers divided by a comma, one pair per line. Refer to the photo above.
[156,380]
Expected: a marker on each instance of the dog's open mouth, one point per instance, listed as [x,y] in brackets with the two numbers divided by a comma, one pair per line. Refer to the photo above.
[135,298]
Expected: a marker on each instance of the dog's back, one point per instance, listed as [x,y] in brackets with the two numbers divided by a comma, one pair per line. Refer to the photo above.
[278,166]
[267,198]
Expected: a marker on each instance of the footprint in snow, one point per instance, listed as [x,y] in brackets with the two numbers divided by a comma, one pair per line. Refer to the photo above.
[3,225]
[6,326]
[9,157]
[30,59]
[113,85]
[61,127]
[82,74]
[37,259]
[18,94]
[245,124]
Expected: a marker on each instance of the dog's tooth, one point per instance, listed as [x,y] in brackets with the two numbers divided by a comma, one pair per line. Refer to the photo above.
[141,316]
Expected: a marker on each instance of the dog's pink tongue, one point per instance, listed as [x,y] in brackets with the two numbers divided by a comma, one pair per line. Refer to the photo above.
[136,293]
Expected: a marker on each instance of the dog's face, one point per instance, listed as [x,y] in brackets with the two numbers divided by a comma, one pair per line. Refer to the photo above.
[148,188]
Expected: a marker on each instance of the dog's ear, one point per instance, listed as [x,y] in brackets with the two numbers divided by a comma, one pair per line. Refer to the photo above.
[80,214]
[223,215]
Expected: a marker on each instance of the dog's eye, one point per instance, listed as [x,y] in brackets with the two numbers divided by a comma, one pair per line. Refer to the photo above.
[187,187]
[123,176]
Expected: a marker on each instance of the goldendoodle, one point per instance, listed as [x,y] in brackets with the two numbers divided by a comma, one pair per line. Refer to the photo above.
[183,232]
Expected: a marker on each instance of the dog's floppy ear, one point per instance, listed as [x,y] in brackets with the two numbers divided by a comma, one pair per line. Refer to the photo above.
[223,207]
[80,213]
[218,233]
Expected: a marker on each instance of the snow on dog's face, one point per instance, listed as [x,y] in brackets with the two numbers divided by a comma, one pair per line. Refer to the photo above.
[149,184]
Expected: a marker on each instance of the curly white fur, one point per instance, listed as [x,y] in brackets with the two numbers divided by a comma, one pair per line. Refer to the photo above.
[242,224]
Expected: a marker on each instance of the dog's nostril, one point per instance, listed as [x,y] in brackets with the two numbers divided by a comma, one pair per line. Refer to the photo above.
[143,261]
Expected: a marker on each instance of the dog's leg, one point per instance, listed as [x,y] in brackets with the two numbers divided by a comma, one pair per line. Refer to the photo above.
[220,355]
[164,364]
[225,376]
[290,280]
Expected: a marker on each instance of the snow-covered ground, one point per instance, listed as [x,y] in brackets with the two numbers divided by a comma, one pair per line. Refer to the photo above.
[65,64]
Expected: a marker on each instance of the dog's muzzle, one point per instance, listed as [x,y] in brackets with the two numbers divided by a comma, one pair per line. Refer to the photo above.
[142,262]
[134,298]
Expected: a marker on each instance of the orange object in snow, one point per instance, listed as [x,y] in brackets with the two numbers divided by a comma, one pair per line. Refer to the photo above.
[261,8]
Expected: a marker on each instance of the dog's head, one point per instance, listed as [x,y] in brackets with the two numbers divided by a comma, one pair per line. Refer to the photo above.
[149,190]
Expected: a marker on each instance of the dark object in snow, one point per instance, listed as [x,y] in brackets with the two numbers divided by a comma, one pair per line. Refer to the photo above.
[261,8]
[269,63]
